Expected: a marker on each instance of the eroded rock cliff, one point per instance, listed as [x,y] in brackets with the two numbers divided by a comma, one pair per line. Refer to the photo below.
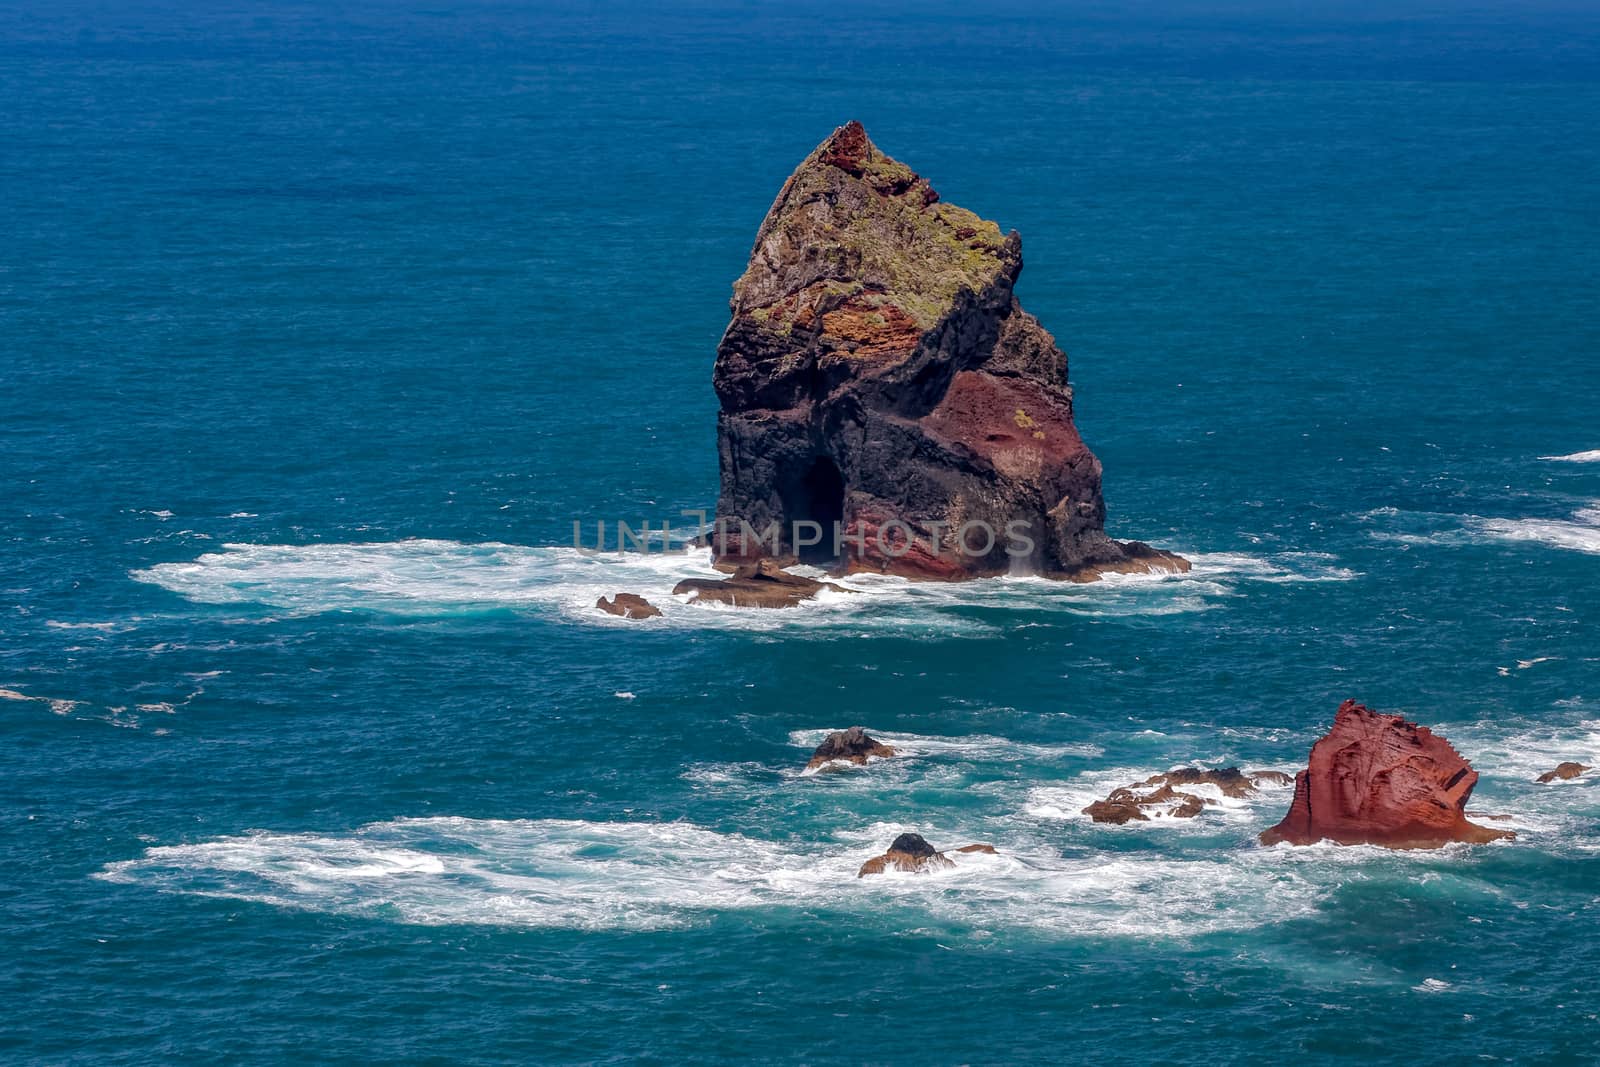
[1380,780]
[879,374]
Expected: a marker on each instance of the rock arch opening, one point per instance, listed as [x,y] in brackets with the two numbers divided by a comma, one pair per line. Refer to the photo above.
[816,496]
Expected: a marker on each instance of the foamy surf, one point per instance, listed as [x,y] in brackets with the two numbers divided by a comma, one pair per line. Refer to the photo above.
[1578,533]
[640,876]
[980,748]
[1065,801]
[55,704]
[432,577]
[1575,457]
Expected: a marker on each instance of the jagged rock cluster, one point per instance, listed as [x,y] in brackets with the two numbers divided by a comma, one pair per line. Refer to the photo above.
[1165,795]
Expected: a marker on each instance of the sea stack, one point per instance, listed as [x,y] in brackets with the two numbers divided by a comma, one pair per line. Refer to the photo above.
[1379,780]
[879,374]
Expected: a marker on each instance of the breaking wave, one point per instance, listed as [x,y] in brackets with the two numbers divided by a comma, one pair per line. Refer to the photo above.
[431,577]
[1581,533]
[979,747]
[1575,457]
[1578,533]
[641,876]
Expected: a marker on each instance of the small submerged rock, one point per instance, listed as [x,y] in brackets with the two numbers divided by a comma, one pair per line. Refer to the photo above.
[912,854]
[1136,802]
[1564,772]
[628,606]
[1377,779]
[848,746]
[762,584]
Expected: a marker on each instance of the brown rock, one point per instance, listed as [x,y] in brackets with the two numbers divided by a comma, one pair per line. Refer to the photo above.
[1380,780]
[849,746]
[629,606]
[1134,803]
[912,854]
[879,377]
[1564,771]
[762,584]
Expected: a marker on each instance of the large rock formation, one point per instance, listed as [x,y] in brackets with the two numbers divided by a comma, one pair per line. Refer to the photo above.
[1380,780]
[878,374]
[1159,794]
[912,854]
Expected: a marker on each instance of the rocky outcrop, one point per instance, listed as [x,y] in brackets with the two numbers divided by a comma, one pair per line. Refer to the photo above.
[1380,780]
[854,745]
[762,584]
[912,854]
[1564,772]
[1158,794]
[879,378]
[629,606]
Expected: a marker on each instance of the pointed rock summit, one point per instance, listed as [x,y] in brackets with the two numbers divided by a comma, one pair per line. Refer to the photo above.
[1379,780]
[878,374]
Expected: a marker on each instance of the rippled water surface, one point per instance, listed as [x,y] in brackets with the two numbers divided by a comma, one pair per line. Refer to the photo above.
[322,326]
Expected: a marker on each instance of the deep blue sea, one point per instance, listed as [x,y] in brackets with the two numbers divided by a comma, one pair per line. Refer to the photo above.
[320,324]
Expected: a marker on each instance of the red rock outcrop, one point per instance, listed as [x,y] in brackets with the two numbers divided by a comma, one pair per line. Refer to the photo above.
[879,378]
[1377,779]
[1564,772]
[854,745]
[628,606]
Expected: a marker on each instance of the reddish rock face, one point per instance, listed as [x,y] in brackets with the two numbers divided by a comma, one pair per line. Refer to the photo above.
[878,375]
[629,606]
[1378,780]
[1564,772]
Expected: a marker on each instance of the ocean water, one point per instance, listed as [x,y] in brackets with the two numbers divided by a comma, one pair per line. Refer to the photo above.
[321,324]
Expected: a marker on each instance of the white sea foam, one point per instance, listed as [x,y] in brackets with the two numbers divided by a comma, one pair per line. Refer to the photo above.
[430,577]
[1580,534]
[597,875]
[978,747]
[1575,457]
[56,704]
[1521,754]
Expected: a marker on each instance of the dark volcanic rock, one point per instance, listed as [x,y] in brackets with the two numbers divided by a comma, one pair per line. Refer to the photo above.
[1563,772]
[629,606]
[762,584]
[912,854]
[1135,803]
[850,746]
[1380,780]
[879,374]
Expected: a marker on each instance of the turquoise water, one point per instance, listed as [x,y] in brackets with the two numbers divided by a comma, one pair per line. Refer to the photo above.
[321,326]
